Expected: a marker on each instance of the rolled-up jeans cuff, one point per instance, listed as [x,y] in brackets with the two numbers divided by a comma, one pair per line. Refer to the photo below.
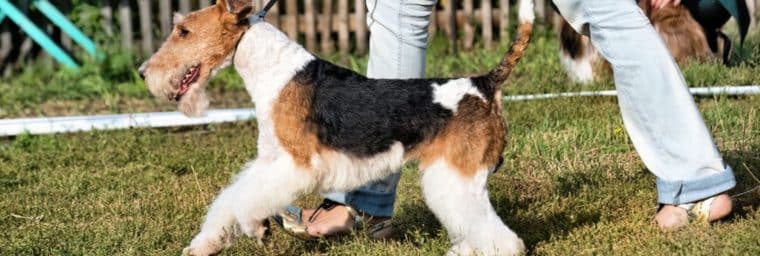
[688,191]
[372,203]
[339,197]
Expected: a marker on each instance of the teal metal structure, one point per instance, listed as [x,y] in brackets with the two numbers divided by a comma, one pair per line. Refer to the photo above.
[7,9]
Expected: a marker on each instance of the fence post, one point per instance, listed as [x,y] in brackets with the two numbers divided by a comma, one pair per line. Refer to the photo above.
[291,20]
[433,27]
[540,10]
[5,43]
[361,26]
[145,26]
[343,45]
[754,7]
[325,26]
[451,24]
[184,6]
[204,3]
[274,15]
[165,17]
[125,24]
[107,13]
[468,27]
[504,19]
[310,20]
[485,12]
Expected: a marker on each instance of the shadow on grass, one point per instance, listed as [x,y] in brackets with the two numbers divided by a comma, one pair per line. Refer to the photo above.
[539,218]
[746,166]
[416,224]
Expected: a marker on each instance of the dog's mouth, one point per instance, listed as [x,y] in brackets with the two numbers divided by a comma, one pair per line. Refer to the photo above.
[190,77]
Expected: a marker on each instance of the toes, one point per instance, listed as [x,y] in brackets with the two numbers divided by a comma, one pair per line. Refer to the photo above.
[315,230]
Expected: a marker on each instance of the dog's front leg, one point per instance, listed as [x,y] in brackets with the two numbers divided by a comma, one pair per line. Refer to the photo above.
[267,191]
[259,192]
[220,227]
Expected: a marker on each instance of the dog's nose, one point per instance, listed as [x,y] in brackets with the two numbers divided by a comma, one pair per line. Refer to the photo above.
[141,71]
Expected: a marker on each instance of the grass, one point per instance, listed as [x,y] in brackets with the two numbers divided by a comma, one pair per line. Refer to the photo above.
[572,183]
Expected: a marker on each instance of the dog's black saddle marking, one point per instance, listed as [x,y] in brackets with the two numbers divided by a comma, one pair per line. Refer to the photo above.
[365,116]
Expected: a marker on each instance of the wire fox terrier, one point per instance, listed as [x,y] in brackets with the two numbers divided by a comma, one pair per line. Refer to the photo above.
[323,127]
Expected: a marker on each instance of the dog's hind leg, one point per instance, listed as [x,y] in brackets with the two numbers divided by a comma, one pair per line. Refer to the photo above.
[460,202]
[262,188]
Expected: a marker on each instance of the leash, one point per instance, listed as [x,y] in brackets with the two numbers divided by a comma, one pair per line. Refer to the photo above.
[263,12]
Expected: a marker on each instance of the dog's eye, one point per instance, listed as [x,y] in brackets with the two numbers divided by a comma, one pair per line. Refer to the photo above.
[183,32]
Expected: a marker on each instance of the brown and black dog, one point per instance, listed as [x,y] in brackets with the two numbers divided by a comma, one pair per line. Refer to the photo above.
[683,35]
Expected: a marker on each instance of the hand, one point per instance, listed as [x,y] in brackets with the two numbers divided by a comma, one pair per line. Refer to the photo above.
[657,4]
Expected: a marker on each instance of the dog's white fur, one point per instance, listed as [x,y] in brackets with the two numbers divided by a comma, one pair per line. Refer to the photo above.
[526,13]
[472,224]
[451,93]
[341,172]
[580,69]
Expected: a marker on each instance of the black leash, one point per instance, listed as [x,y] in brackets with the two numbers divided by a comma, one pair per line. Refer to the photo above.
[264,11]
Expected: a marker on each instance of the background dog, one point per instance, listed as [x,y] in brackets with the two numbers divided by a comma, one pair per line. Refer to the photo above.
[683,35]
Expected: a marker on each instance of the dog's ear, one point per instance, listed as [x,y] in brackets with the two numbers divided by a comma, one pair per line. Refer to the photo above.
[240,9]
[178,18]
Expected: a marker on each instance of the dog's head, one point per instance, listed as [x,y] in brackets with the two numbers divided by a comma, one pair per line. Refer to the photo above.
[201,43]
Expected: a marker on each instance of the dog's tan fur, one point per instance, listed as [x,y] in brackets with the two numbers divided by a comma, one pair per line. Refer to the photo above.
[293,130]
[681,32]
[473,140]
[211,38]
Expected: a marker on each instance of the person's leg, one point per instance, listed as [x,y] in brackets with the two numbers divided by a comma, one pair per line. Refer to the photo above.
[659,114]
[398,43]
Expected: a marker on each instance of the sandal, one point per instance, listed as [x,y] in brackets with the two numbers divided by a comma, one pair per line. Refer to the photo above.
[291,220]
[698,211]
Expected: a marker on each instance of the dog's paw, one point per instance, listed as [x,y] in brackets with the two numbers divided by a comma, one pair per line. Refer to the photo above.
[203,245]
[507,246]
[188,251]
[197,251]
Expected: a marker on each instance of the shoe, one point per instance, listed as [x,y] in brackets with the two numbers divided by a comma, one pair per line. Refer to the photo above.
[291,221]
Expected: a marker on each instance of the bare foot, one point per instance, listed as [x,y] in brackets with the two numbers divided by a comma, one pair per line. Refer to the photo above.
[672,217]
[327,222]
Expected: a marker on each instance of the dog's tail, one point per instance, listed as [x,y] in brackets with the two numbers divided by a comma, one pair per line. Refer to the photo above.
[498,75]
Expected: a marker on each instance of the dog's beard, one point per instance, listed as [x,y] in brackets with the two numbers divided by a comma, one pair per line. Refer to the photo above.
[194,103]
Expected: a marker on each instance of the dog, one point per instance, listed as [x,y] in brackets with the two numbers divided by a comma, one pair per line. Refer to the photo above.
[323,127]
[682,34]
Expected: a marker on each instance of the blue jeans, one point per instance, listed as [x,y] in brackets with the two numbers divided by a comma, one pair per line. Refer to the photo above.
[397,45]
[659,114]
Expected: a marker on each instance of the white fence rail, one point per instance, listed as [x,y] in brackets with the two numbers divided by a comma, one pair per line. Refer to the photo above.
[48,125]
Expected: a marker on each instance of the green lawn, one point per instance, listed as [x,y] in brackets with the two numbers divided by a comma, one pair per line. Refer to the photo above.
[571,184]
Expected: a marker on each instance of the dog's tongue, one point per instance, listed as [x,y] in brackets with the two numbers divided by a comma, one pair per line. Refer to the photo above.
[190,77]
